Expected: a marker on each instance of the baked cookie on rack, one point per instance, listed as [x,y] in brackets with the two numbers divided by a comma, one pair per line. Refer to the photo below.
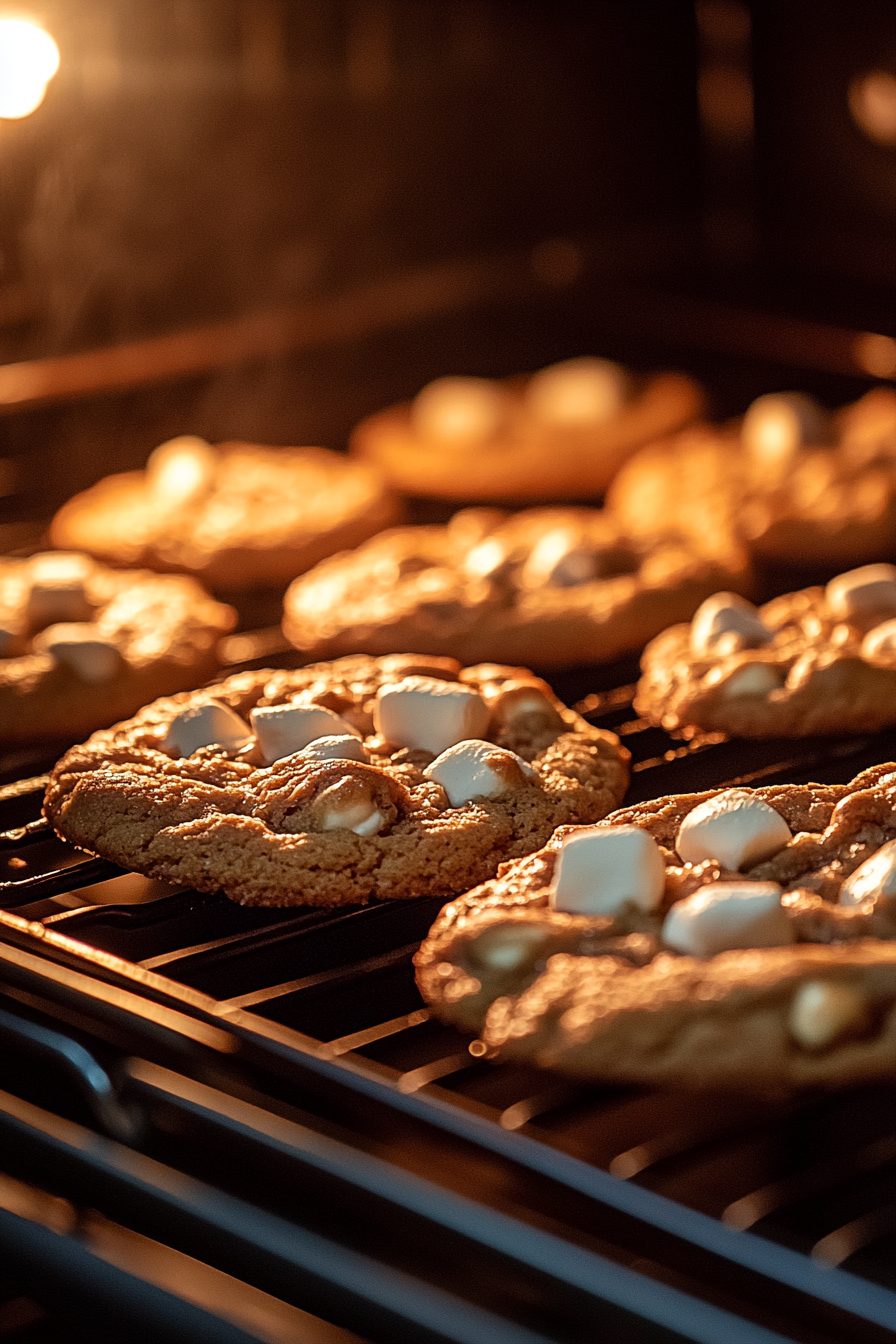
[551,587]
[822,660]
[390,777]
[236,515]
[737,938]
[82,645]
[793,482]
[561,433]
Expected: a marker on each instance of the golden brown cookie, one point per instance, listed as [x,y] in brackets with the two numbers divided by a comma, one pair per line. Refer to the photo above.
[392,777]
[82,645]
[822,660]
[561,433]
[766,974]
[550,587]
[791,482]
[236,515]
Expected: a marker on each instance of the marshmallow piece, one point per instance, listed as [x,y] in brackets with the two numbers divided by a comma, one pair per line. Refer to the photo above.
[557,559]
[778,424]
[727,614]
[477,769]
[459,411]
[752,679]
[735,827]
[522,701]
[83,648]
[284,729]
[427,713]
[577,392]
[823,1012]
[880,642]
[181,468]
[507,945]
[208,725]
[601,870]
[56,589]
[861,592]
[728,915]
[349,805]
[342,747]
[873,880]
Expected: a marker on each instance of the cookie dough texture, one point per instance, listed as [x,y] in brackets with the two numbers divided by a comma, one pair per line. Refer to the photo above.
[836,505]
[547,587]
[255,515]
[599,997]
[816,678]
[216,822]
[526,459]
[166,629]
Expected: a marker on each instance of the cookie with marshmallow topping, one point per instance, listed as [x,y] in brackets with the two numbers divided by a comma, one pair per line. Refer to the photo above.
[741,938]
[822,660]
[792,482]
[82,645]
[364,778]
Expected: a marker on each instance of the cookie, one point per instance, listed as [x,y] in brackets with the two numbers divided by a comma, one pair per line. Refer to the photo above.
[82,645]
[340,782]
[551,587]
[742,938]
[792,482]
[822,660]
[560,434]
[237,515]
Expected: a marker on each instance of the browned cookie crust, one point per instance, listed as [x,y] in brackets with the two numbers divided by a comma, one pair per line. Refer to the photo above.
[837,505]
[819,680]
[161,633]
[601,997]
[525,459]
[549,587]
[254,515]
[216,821]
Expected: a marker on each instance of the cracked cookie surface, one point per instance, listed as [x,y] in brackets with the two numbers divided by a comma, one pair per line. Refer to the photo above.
[605,997]
[297,831]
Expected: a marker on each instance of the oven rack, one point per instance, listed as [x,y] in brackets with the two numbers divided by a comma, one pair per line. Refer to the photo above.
[735,1202]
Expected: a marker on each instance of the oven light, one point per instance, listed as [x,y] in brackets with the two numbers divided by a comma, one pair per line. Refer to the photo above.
[872,101]
[29,58]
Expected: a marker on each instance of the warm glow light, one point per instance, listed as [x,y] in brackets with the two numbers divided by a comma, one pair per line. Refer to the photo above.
[872,101]
[29,58]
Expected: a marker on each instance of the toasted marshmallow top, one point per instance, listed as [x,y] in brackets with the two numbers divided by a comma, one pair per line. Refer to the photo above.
[208,725]
[57,588]
[727,614]
[600,870]
[860,592]
[459,411]
[735,827]
[725,916]
[823,1011]
[778,424]
[181,468]
[284,729]
[752,679]
[83,648]
[583,391]
[880,642]
[873,879]
[558,559]
[426,713]
[340,747]
[477,769]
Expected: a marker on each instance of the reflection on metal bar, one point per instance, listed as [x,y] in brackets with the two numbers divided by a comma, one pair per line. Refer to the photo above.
[414,1079]
[338,974]
[343,1044]
[855,1236]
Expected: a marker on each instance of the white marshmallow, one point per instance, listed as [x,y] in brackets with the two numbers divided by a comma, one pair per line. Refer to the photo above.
[364,818]
[752,679]
[724,614]
[557,559]
[342,747]
[859,592]
[577,392]
[459,410]
[477,769]
[872,880]
[83,648]
[822,1011]
[600,870]
[880,642]
[56,589]
[778,424]
[429,714]
[181,468]
[728,915]
[208,725]
[735,827]
[284,729]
